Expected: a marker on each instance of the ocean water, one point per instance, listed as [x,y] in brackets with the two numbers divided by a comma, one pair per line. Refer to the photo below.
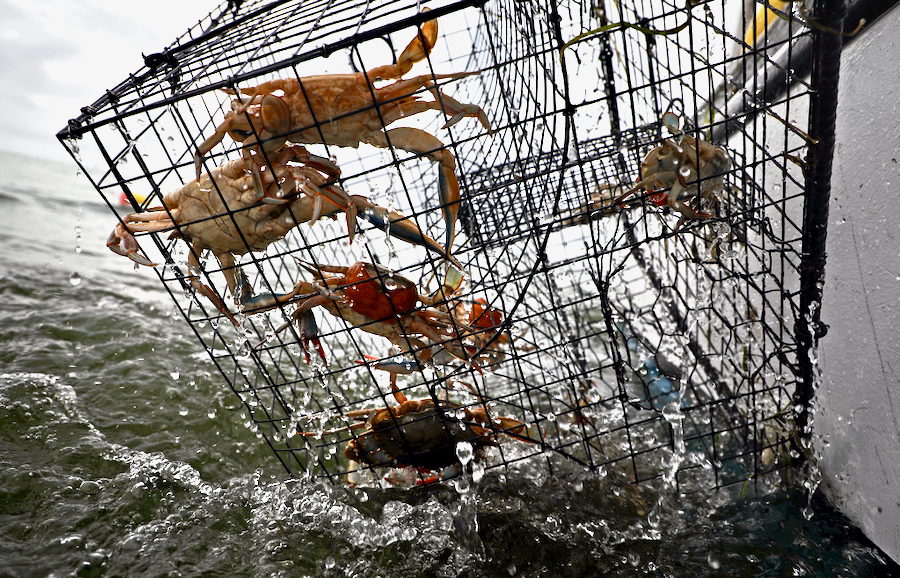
[124,453]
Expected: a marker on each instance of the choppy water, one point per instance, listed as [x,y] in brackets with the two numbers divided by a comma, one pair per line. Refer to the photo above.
[123,453]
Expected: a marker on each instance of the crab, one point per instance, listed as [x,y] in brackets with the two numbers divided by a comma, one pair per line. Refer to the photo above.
[487,322]
[222,212]
[382,303]
[690,168]
[423,434]
[484,322]
[348,109]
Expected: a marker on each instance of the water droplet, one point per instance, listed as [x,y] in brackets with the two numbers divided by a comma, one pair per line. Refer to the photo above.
[713,561]
[89,487]
[74,540]
[174,375]
[72,144]
[672,412]
[138,490]
[464,451]
[477,472]
[75,279]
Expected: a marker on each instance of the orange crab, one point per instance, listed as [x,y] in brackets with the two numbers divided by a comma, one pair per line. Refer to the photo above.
[382,303]
[486,321]
[222,212]
[348,109]
[483,345]
[423,434]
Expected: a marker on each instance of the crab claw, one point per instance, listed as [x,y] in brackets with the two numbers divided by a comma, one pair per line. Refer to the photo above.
[416,51]
[447,473]
[122,242]
[422,143]
[251,303]
[399,364]
[400,227]
[659,199]
[459,111]
[452,282]
[672,122]
[313,184]
[309,332]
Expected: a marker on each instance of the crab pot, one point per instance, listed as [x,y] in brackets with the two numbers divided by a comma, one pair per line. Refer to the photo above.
[660,332]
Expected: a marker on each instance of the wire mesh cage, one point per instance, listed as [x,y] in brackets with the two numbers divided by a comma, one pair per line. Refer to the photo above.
[620,277]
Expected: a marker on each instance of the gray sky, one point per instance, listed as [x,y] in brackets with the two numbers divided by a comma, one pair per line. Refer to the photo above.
[57,56]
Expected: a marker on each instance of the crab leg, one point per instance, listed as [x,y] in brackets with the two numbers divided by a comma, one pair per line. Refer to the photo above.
[401,364]
[355,414]
[313,167]
[251,303]
[275,120]
[194,265]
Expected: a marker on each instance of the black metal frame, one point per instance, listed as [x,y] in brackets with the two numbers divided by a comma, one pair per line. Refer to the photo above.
[595,296]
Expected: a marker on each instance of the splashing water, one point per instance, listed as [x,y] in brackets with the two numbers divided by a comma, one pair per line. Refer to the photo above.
[112,468]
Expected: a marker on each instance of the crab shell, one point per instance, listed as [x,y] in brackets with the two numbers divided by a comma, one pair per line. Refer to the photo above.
[484,317]
[670,164]
[227,217]
[421,438]
[378,295]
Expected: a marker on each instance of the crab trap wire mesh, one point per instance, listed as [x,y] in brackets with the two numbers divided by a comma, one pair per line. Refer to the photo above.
[620,280]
